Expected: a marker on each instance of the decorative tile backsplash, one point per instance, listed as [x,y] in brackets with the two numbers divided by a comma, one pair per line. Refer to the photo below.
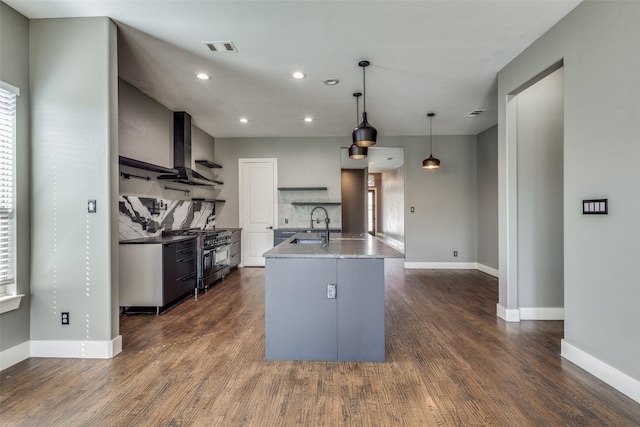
[145,217]
[299,216]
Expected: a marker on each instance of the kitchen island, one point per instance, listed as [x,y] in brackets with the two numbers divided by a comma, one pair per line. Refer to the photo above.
[325,301]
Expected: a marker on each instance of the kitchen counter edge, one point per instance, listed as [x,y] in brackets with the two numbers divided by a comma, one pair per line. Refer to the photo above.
[340,246]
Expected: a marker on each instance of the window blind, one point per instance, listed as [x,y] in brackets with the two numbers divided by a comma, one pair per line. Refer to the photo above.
[7,187]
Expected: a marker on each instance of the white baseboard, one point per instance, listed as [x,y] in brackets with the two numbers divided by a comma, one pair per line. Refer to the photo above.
[489,270]
[451,266]
[441,265]
[610,375]
[508,314]
[541,313]
[77,349]
[13,355]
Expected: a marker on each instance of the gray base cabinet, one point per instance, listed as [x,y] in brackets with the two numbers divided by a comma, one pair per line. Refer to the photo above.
[301,323]
[236,248]
[155,275]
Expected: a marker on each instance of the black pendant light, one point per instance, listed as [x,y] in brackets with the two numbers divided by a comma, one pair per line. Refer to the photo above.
[430,162]
[356,152]
[364,135]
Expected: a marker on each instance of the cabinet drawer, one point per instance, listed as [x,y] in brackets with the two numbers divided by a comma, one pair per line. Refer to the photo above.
[234,260]
[235,236]
[191,243]
[234,249]
[186,253]
[176,289]
[186,266]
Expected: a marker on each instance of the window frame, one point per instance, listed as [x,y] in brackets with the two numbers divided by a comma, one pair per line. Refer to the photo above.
[9,289]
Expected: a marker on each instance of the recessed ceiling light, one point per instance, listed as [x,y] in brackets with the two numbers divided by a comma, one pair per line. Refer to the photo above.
[298,75]
[203,76]
[244,120]
[331,82]
[308,119]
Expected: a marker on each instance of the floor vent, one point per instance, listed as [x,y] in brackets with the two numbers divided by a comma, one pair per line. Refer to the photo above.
[216,47]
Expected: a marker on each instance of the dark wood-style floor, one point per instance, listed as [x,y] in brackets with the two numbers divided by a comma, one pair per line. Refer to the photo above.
[450,362]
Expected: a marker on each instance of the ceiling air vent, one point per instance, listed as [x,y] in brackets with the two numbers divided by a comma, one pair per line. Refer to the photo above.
[221,46]
[475,113]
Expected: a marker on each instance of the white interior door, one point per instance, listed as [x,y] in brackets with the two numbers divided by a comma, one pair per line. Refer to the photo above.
[258,207]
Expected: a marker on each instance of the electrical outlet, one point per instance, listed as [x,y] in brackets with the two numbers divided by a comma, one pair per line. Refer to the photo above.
[455,253]
[65,317]
[286,221]
[332,291]
[413,209]
[91,206]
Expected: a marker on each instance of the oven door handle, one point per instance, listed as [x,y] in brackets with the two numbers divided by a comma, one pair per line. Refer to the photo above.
[186,259]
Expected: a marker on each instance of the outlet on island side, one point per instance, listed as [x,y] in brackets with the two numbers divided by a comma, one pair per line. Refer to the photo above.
[65,317]
[455,253]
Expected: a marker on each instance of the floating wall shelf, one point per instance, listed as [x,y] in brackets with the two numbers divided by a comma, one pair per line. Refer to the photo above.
[208,164]
[316,203]
[198,199]
[302,188]
[126,161]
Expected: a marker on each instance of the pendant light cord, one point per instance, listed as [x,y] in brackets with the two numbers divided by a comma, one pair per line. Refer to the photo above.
[430,115]
[364,91]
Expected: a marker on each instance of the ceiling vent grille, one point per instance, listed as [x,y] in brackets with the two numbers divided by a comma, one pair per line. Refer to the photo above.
[475,113]
[217,47]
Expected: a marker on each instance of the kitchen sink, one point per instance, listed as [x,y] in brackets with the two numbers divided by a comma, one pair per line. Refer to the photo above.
[308,241]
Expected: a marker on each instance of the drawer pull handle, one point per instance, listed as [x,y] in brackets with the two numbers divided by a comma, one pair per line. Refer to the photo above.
[185,278]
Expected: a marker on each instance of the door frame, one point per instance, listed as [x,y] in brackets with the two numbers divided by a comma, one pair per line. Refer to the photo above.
[241,204]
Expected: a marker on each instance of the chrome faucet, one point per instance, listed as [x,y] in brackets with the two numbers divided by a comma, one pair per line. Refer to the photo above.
[326,219]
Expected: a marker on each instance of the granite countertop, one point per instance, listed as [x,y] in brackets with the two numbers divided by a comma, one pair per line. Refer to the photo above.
[341,245]
[156,240]
[306,229]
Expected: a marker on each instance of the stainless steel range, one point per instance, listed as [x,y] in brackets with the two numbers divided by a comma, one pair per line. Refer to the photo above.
[213,254]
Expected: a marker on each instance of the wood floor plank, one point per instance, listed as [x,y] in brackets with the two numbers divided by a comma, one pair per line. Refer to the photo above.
[450,362]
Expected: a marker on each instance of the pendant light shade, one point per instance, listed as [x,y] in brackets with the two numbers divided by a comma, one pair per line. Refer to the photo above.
[430,162]
[364,135]
[356,152]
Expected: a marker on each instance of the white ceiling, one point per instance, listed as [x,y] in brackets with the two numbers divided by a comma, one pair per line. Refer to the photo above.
[439,56]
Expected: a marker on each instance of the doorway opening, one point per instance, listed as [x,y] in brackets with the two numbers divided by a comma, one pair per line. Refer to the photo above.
[535,117]
[373,194]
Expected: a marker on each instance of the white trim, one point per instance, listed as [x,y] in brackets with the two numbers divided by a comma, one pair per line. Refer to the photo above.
[77,349]
[451,266]
[441,265]
[10,303]
[14,355]
[541,313]
[489,270]
[10,88]
[507,314]
[607,373]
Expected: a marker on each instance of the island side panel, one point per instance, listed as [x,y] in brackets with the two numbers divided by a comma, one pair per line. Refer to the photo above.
[361,310]
[300,321]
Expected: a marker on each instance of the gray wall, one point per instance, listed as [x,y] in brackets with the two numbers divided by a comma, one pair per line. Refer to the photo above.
[145,133]
[74,148]
[446,204]
[487,187]
[354,212]
[540,236]
[302,162]
[392,201]
[14,69]
[598,44]
[445,200]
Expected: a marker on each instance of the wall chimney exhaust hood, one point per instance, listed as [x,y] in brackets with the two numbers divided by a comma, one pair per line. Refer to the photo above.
[182,154]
